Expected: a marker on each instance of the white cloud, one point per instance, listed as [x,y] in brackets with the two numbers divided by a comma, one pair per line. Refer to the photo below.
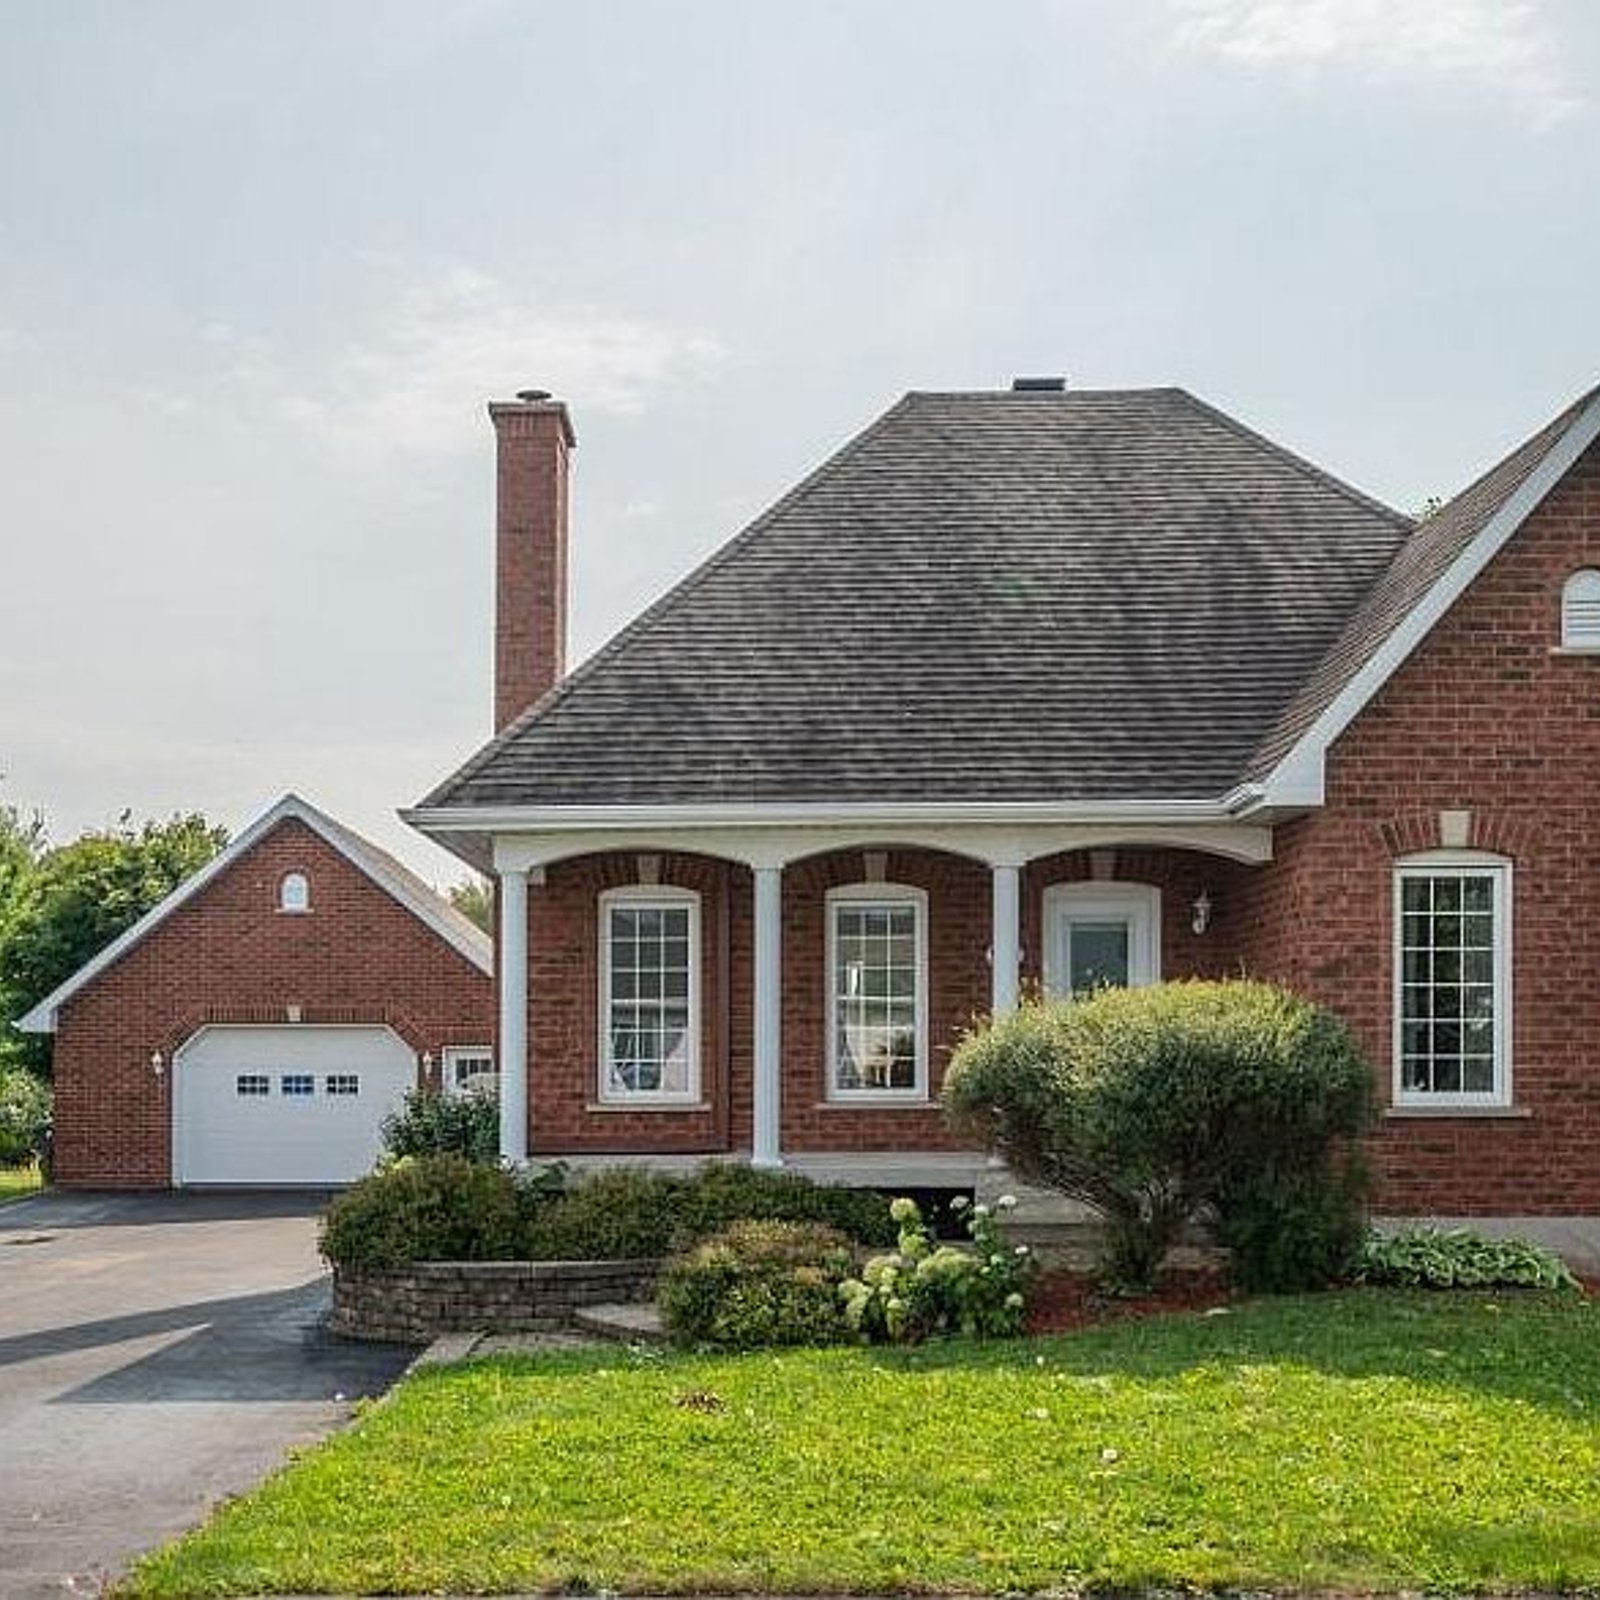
[1504,49]
[416,384]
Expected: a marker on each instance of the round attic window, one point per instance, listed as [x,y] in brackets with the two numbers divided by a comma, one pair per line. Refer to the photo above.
[294,892]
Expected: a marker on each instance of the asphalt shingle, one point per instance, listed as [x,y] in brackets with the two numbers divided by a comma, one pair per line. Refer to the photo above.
[1076,596]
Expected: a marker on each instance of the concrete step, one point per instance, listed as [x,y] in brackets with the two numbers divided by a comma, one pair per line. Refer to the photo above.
[623,1323]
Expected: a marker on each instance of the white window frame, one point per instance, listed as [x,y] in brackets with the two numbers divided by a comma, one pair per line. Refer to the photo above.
[1088,899]
[877,894]
[646,896]
[454,1054]
[1582,589]
[294,894]
[1455,864]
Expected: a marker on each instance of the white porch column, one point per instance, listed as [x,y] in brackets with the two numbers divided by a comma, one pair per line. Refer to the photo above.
[766,1151]
[1006,944]
[513,976]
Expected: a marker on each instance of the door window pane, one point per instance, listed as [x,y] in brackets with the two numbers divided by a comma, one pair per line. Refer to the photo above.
[1097,956]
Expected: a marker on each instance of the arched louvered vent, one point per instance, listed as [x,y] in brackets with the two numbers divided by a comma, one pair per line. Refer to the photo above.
[1580,611]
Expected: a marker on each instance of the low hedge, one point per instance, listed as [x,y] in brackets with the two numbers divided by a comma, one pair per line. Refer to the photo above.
[448,1208]
[631,1212]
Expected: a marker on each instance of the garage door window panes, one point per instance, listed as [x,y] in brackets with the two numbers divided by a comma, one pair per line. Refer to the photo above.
[252,1085]
[341,1083]
[297,1085]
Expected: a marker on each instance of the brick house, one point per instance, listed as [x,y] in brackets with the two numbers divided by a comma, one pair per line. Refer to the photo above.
[256,1026]
[1051,688]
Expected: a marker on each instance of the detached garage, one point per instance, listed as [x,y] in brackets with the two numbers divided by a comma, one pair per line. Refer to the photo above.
[257,1026]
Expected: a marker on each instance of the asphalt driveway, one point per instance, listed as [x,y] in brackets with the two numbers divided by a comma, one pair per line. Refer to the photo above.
[156,1354]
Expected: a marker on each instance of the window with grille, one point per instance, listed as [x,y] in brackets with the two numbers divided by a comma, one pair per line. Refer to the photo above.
[1452,981]
[649,995]
[1580,611]
[252,1085]
[341,1083]
[297,1085]
[877,988]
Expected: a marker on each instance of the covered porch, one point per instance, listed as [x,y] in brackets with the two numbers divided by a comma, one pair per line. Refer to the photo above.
[803,986]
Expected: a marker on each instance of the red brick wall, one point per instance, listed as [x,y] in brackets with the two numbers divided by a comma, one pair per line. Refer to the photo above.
[564,1027]
[229,955]
[1483,718]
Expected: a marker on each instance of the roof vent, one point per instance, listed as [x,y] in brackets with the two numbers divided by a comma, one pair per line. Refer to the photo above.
[1038,385]
[530,395]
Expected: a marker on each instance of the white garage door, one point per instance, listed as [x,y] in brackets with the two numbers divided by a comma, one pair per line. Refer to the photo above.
[291,1105]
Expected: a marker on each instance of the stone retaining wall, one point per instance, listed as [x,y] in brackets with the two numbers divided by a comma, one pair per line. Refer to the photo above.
[418,1302]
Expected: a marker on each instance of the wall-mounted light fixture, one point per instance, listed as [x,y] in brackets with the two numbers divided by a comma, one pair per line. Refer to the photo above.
[1202,912]
[158,1064]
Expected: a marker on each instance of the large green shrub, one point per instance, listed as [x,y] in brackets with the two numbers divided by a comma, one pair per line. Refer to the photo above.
[428,1208]
[758,1284]
[1458,1258]
[24,1117]
[1149,1104]
[630,1212]
[924,1289]
[433,1124]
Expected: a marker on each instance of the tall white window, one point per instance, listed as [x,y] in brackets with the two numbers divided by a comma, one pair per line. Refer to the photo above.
[1580,611]
[1452,915]
[649,995]
[294,892]
[877,992]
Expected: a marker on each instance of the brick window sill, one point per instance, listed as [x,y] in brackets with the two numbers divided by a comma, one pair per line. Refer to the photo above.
[1592,651]
[680,1108]
[1457,1113]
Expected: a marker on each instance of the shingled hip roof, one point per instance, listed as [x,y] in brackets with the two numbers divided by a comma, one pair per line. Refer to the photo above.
[1066,597]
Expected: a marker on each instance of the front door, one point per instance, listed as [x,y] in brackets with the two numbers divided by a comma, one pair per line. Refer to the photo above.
[1101,936]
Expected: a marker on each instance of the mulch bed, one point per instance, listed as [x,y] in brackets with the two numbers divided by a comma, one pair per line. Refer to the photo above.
[1063,1300]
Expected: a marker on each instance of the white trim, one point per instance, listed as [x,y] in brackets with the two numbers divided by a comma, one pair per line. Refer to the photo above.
[1138,903]
[453,1054]
[878,894]
[412,894]
[1298,777]
[987,843]
[812,814]
[1454,864]
[666,897]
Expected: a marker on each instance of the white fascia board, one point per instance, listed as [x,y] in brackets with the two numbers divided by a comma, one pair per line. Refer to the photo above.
[1297,780]
[42,1018]
[520,819]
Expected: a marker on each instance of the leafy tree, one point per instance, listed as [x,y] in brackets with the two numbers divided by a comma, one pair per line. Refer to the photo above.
[474,899]
[76,899]
[22,842]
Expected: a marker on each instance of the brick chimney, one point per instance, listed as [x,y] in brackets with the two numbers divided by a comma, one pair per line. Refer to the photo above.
[534,437]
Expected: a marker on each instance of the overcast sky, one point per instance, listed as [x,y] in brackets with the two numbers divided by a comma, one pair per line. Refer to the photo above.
[261,265]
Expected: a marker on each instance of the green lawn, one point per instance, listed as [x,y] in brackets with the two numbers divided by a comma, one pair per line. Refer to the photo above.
[1363,1441]
[15,1182]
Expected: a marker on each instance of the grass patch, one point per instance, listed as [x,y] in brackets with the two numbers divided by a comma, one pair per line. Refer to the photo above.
[1368,1440]
[17,1183]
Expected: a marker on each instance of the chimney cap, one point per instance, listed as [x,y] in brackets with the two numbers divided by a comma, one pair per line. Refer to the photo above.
[1038,385]
[530,395]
